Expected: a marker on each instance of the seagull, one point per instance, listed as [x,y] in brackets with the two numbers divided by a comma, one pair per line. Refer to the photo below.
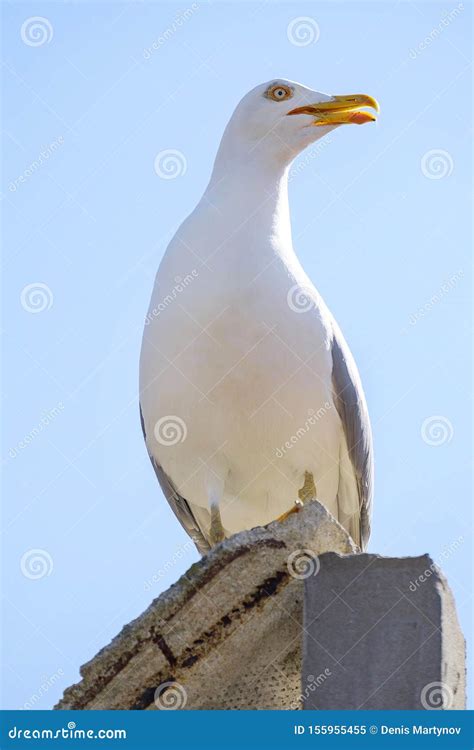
[251,403]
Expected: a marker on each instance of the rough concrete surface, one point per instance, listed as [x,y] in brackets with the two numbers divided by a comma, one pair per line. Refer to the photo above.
[227,635]
[381,633]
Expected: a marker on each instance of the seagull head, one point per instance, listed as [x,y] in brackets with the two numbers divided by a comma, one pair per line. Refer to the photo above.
[280,118]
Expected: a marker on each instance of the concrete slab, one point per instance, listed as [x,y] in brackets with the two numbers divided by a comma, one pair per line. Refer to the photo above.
[228,634]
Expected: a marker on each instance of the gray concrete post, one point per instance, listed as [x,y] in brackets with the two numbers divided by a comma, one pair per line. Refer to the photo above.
[381,633]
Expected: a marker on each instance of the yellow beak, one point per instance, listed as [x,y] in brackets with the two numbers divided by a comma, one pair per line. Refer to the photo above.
[341,110]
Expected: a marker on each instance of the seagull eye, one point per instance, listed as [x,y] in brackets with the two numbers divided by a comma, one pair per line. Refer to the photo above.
[279,93]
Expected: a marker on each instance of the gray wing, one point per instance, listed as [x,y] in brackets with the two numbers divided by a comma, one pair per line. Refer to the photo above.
[352,409]
[179,505]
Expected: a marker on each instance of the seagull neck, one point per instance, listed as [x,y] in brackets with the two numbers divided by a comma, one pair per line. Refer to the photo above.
[251,187]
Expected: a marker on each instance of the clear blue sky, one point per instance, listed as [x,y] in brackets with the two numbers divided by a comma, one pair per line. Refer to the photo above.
[379,221]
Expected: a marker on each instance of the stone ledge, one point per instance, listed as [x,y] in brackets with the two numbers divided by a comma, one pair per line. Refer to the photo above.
[226,635]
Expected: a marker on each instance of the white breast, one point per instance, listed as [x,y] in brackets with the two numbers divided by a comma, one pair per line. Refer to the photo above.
[244,375]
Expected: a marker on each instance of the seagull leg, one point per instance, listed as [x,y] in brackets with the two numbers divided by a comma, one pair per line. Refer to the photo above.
[296,507]
[215,495]
[217,533]
[305,494]
[308,490]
